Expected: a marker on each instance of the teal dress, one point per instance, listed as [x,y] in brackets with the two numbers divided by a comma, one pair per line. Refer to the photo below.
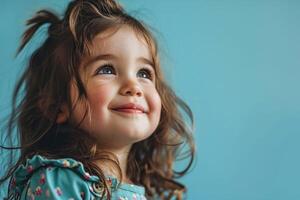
[65,179]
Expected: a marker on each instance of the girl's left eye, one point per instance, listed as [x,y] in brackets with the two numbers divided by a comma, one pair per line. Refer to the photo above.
[145,73]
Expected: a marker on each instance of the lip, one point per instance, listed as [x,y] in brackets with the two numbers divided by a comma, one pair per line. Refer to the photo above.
[130,108]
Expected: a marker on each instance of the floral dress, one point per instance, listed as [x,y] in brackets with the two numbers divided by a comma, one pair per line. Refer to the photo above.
[65,179]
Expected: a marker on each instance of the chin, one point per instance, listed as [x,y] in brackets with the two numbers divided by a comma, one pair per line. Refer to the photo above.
[134,137]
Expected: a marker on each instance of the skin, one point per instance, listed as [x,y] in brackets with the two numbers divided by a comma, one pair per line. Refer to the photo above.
[123,74]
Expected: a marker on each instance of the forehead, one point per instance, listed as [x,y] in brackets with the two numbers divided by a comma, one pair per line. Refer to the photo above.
[120,41]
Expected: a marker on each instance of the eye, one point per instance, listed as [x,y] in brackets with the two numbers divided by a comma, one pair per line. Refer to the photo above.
[106,69]
[145,73]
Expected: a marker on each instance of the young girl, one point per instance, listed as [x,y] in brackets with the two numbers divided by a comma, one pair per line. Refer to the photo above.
[95,118]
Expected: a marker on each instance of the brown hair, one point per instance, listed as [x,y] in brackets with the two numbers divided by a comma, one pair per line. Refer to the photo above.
[38,97]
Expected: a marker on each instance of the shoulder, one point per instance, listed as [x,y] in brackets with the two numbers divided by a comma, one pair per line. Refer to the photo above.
[41,178]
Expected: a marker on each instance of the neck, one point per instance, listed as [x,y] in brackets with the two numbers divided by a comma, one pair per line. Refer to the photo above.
[109,169]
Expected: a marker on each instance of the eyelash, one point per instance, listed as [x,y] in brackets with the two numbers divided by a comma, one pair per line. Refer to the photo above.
[149,72]
[111,67]
[105,66]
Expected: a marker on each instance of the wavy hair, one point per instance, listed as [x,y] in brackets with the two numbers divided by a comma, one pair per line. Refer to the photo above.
[45,86]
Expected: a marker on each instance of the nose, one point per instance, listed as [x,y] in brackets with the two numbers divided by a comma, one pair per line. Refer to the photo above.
[131,88]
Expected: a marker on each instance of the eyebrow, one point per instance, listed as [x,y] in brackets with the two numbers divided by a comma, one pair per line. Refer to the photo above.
[114,57]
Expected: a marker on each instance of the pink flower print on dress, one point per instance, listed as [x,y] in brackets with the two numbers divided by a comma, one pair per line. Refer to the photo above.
[29,169]
[87,175]
[47,193]
[82,195]
[66,163]
[134,197]
[38,191]
[109,182]
[58,191]
[13,182]
[42,179]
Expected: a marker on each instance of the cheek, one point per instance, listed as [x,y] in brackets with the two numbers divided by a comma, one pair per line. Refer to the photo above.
[155,106]
[99,97]
[155,103]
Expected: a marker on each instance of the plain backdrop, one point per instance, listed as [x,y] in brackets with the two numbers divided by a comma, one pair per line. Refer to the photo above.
[236,63]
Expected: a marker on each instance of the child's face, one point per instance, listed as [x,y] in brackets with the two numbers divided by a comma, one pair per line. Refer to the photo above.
[119,79]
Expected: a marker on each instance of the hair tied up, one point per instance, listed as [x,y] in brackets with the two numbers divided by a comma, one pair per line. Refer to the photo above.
[41,17]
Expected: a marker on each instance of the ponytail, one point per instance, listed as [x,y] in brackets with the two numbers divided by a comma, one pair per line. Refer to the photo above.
[42,17]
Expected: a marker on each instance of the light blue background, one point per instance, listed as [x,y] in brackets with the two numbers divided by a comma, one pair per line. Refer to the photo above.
[237,64]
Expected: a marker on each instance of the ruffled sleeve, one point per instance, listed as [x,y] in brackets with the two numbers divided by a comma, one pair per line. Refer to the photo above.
[42,178]
[55,183]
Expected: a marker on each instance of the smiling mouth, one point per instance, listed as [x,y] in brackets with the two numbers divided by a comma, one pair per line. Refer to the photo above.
[130,108]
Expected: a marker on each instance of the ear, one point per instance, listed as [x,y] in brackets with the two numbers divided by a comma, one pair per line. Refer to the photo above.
[63,115]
